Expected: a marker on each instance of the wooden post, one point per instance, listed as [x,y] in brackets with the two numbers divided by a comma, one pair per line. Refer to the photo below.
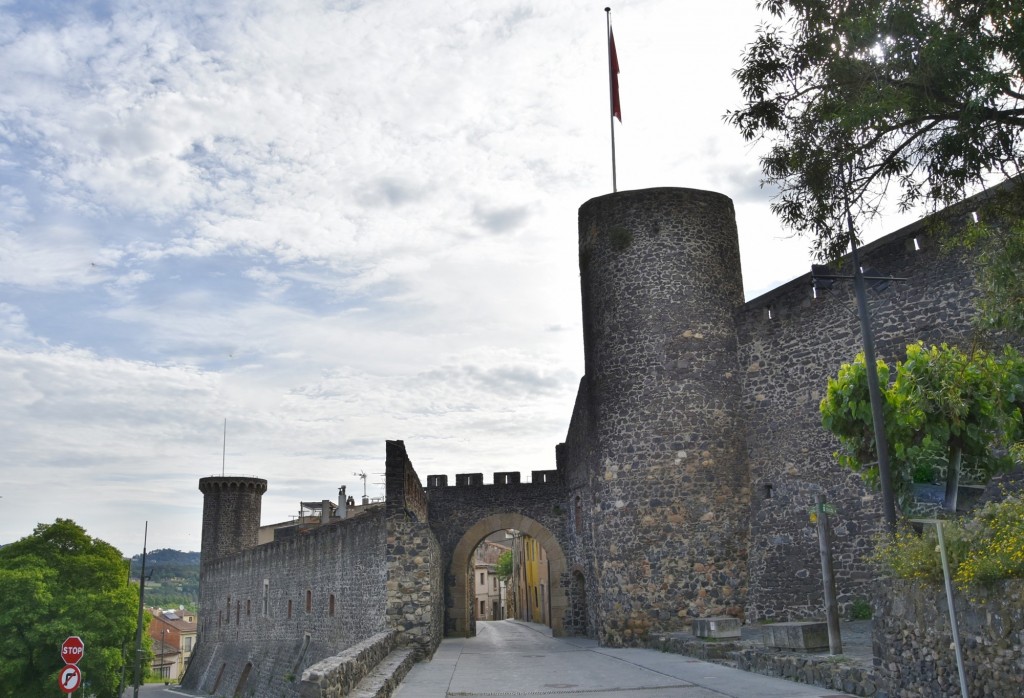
[835,642]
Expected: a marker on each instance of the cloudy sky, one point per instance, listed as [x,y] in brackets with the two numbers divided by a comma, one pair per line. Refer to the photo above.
[329,223]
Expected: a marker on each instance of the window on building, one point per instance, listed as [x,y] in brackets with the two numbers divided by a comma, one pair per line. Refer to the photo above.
[238,612]
[289,608]
[482,579]
[309,600]
[188,644]
[483,608]
[494,583]
[330,604]
[248,607]
[266,597]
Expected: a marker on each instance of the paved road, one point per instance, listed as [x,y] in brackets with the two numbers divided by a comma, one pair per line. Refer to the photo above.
[509,658]
[154,690]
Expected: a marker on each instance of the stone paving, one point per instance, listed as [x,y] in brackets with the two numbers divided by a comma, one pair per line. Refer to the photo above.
[511,658]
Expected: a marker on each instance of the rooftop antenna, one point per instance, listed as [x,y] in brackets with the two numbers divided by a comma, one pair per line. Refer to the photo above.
[362,476]
[224,448]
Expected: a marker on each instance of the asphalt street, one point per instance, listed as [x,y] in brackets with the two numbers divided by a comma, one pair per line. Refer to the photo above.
[153,690]
[510,658]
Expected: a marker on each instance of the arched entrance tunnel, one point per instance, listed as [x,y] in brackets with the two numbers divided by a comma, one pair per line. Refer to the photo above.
[460,615]
[461,516]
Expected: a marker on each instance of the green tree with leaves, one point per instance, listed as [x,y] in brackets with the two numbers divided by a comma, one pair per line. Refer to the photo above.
[55,583]
[997,244]
[503,568]
[944,410]
[858,97]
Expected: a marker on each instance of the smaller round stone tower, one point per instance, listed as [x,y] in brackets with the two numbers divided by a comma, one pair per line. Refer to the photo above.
[231,515]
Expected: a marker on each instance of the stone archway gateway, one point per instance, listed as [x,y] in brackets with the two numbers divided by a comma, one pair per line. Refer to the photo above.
[459,612]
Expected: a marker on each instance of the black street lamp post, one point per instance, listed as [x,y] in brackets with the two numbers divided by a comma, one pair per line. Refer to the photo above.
[820,274]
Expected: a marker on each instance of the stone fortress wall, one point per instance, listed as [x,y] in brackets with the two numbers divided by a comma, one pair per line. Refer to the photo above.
[463,515]
[270,612]
[279,608]
[693,452]
[695,447]
[790,343]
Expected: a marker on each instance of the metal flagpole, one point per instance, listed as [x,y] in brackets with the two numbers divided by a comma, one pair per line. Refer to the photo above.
[612,66]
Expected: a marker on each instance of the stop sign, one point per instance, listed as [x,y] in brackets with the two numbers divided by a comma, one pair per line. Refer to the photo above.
[72,650]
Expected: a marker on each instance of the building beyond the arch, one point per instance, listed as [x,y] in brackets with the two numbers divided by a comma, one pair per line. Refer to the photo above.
[693,452]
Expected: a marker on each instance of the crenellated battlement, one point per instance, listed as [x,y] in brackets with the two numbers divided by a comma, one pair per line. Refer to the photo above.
[208,485]
[537,477]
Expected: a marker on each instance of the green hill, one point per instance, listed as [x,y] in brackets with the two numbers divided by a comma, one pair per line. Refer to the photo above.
[172,578]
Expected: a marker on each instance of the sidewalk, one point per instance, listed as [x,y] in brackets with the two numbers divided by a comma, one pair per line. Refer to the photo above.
[852,671]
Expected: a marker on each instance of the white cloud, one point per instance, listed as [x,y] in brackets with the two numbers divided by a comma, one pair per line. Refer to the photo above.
[13,325]
[332,224]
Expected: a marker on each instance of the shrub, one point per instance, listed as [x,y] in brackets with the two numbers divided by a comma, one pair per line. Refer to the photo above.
[860,610]
[909,555]
[985,548]
[997,532]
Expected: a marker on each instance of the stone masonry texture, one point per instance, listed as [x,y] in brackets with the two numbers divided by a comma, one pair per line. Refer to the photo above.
[282,636]
[270,612]
[662,477]
[912,639]
[790,343]
[693,452]
[232,505]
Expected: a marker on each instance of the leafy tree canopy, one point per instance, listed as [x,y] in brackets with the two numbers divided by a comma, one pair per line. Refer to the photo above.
[172,578]
[997,244]
[503,568]
[944,410]
[55,583]
[858,96]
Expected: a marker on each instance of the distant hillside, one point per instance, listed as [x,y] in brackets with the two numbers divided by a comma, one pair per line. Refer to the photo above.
[175,578]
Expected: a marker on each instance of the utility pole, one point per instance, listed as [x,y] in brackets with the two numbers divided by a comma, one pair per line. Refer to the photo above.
[874,393]
[138,628]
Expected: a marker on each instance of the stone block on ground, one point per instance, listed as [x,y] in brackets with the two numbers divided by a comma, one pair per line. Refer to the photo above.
[807,636]
[716,627]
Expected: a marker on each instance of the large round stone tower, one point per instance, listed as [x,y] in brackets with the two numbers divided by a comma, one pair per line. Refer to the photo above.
[660,277]
[231,515]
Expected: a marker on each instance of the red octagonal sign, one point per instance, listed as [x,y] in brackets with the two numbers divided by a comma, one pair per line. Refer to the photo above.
[72,650]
